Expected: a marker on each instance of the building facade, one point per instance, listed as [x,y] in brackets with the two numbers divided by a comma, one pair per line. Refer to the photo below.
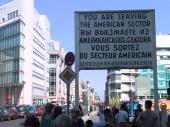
[163,49]
[163,80]
[24,37]
[121,83]
[57,88]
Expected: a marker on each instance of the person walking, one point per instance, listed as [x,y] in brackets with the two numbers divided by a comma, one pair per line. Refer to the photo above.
[136,113]
[47,116]
[76,119]
[114,112]
[147,118]
[55,113]
[63,121]
[108,116]
[122,117]
[163,116]
[32,122]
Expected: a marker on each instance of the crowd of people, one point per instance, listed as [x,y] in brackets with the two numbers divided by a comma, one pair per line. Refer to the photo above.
[53,117]
[120,117]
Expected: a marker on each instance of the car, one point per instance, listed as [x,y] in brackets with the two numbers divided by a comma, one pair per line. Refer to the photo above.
[26,110]
[13,113]
[4,114]
[30,111]
[38,111]
[22,111]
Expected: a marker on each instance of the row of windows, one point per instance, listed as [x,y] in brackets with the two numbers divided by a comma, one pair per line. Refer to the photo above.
[52,74]
[163,49]
[9,66]
[53,83]
[38,43]
[52,91]
[11,42]
[9,54]
[9,78]
[52,77]
[165,58]
[161,75]
[114,77]
[53,58]
[13,15]
[115,86]
[10,29]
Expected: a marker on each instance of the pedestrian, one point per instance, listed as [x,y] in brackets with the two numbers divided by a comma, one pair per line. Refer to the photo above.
[108,116]
[81,111]
[136,113]
[114,112]
[55,113]
[122,117]
[32,122]
[63,121]
[89,123]
[163,116]
[147,118]
[88,109]
[76,118]
[47,116]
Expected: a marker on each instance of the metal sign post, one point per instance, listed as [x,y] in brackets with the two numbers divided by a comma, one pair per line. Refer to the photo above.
[77,35]
[68,99]
[67,76]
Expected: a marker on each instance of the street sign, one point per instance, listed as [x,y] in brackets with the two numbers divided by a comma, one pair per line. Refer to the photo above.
[69,59]
[67,75]
[115,39]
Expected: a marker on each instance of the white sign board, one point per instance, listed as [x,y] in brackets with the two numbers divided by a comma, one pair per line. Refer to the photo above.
[115,39]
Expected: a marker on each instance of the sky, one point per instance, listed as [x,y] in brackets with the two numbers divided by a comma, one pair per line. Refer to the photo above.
[61,16]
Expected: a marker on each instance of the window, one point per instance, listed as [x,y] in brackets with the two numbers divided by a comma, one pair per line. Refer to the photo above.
[53,58]
[13,15]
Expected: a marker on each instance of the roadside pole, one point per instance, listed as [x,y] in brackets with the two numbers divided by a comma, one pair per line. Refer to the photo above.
[76,17]
[68,99]
[68,76]
[77,89]
[156,106]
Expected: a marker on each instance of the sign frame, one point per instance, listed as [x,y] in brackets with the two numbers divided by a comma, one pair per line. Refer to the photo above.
[86,64]
[153,65]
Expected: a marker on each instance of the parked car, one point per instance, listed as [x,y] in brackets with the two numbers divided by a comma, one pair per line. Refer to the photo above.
[26,110]
[13,113]
[22,111]
[30,111]
[38,112]
[4,114]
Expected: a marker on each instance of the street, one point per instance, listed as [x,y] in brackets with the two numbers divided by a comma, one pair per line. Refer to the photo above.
[13,123]
[98,121]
